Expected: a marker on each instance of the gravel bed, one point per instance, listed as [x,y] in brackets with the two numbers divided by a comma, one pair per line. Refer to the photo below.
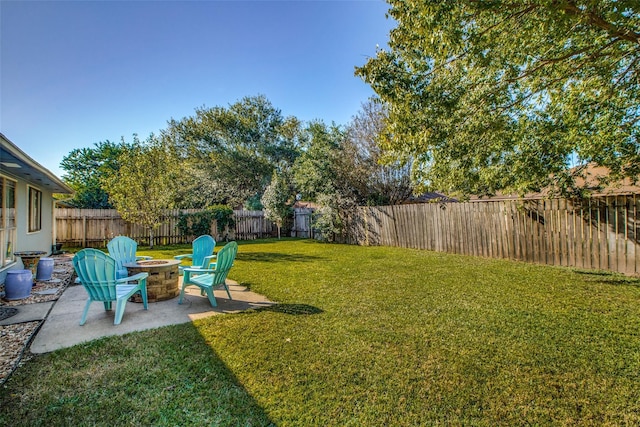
[14,339]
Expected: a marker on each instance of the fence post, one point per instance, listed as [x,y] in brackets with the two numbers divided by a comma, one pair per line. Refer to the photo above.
[84,231]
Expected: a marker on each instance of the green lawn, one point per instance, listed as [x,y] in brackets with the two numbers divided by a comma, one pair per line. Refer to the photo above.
[363,336]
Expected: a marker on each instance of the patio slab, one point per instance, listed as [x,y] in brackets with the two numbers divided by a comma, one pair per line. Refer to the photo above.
[28,313]
[61,328]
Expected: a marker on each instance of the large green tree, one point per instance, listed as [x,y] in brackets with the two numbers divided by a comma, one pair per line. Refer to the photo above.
[85,168]
[238,147]
[316,171]
[371,177]
[277,199]
[145,185]
[510,94]
[347,160]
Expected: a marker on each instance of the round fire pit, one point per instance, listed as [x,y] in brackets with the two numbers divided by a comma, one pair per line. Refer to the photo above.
[154,262]
[162,283]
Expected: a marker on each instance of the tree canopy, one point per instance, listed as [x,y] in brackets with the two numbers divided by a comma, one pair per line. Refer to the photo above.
[277,199]
[238,146]
[144,186]
[510,94]
[85,168]
[228,156]
[373,179]
[316,170]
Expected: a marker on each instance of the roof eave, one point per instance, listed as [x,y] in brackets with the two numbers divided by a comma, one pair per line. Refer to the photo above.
[17,163]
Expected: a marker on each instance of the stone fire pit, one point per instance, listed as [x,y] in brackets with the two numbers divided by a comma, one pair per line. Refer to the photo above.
[162,283]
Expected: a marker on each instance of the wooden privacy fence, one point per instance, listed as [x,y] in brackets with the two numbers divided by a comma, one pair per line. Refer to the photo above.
[95,227]
[252,225]
[597,233]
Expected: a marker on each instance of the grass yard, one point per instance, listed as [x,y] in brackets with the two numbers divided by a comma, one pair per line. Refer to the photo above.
[363,336]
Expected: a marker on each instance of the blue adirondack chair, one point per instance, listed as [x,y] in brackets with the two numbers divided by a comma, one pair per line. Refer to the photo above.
[202,255]
[208,279]
[123,250]
[97,273]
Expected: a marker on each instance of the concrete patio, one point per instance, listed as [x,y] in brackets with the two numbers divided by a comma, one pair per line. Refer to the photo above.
[56,306]
[62,329]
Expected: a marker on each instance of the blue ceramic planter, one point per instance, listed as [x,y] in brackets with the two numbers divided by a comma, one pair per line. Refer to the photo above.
[45,269]
[18,284]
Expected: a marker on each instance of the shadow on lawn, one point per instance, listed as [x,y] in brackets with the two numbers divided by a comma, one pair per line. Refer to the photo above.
[295,309]
[189,384]
[275,257]
[608,278]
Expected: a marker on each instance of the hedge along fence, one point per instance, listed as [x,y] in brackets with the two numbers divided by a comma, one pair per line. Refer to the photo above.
[596,233]
[95,227]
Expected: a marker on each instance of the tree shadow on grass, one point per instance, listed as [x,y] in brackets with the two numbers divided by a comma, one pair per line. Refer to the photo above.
[175,374]
[271,240]
[294,309]
[608,278]
[275,257]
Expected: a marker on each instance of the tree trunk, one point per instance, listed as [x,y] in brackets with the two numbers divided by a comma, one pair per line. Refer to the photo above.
[151,238]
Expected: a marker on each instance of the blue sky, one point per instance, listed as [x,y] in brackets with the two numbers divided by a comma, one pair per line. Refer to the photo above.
[74,73]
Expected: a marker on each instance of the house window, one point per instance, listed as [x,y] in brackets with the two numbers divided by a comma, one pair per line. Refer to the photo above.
[35,209]
[7,220]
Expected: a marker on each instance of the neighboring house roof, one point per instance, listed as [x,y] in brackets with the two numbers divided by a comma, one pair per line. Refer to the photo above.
[304,205]
[589,178]
[430,197]
[16,162]
[63,204]
[594,174]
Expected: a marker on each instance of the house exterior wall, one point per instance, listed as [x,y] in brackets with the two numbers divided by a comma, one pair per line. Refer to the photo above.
[40,240]
[26,188]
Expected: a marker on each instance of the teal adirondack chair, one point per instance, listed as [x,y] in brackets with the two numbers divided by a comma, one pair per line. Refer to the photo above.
[97,273]
[202,255]
[208,279]
[123,250]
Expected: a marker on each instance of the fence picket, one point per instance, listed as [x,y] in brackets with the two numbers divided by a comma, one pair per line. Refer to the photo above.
[598,233]
[95,227]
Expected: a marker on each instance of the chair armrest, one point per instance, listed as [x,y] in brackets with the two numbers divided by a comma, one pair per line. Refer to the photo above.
[139,257]
[198,270]
[183,256]
[135,277]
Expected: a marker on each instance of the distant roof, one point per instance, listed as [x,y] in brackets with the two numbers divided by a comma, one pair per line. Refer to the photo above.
[588,177]
[431,197]
[305,205]
[594,175]
[14,161]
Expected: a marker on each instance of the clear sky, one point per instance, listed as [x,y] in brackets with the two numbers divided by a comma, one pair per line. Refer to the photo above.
[74,73]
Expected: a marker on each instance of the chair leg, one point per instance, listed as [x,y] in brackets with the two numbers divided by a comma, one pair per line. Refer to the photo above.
[143,294]
[83,319]
[212,298]
[184,285]
[107,305]
[226,288]
[120,306]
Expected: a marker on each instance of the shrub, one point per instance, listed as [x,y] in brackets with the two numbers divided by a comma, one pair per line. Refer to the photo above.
[199,223]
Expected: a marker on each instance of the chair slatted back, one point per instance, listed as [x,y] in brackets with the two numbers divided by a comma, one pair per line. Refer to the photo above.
[224,262]
[123,250]
[202,247]
[97,273]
